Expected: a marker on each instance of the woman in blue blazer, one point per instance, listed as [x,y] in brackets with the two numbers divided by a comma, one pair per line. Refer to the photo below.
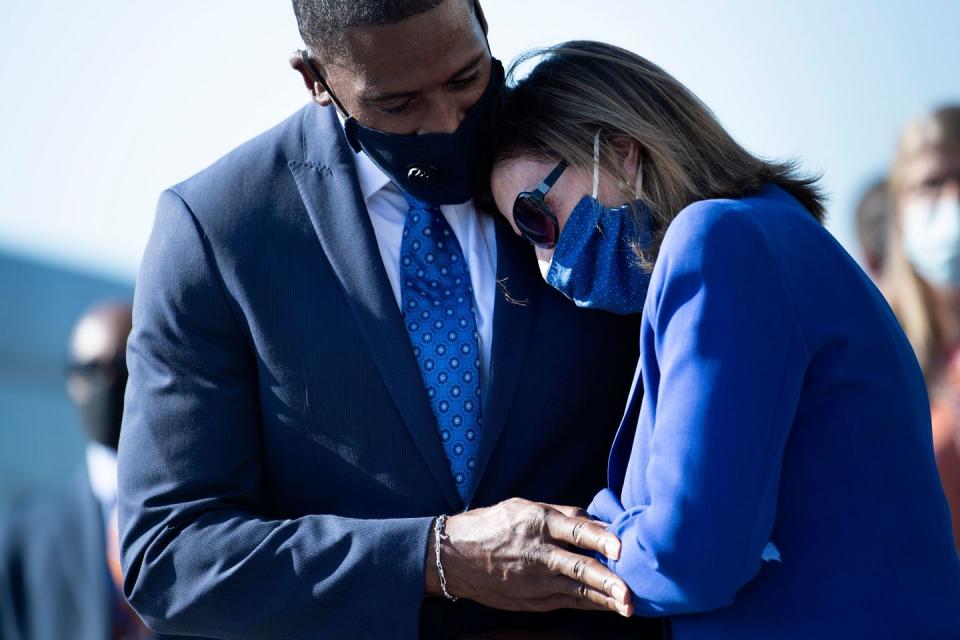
[773,476]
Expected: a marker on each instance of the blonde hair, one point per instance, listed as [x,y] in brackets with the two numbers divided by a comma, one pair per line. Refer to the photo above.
[685,155]
[908,294]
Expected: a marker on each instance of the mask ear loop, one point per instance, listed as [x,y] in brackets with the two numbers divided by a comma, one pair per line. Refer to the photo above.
[318,78]
[596,172]
[596,164]
[646,221]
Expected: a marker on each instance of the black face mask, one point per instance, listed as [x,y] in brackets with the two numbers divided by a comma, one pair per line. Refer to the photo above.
[101,408]
[437,168]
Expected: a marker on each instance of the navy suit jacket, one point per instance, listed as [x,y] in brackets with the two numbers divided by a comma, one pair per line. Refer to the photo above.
[53,571]
[280,464]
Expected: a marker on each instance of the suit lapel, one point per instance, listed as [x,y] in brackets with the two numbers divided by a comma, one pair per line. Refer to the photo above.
[328,185]
[515,310]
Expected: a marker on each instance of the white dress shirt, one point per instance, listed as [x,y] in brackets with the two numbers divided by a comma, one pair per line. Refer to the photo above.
[102,472]
[475,233]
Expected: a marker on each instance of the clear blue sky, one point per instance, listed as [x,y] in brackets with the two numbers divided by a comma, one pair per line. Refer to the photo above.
[106,103]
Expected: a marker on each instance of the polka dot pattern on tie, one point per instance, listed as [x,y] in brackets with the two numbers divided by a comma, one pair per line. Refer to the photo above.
[438,311]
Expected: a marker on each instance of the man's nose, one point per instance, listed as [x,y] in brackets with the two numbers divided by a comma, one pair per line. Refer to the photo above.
[445,116]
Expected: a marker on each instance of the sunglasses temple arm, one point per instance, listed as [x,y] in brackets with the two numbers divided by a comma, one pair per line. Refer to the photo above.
[553,177]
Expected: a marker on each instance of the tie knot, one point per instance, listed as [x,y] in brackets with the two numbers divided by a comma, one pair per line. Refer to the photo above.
[418,205]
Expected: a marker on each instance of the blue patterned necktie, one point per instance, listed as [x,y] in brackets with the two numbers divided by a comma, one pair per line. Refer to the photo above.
[438,311]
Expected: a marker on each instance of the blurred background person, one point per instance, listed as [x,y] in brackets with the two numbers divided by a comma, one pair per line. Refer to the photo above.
[872,220]
[59,574]
[922,274]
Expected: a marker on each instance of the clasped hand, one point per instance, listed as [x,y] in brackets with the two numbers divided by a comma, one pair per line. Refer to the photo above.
[519,555]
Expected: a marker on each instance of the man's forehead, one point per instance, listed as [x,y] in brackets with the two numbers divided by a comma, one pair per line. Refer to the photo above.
[424,49]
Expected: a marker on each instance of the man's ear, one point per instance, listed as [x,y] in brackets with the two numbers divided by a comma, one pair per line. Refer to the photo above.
[482,18]
[310,79]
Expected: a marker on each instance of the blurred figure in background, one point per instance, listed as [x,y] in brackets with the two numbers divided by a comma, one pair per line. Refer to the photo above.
[59,569]
[873,227]
[922,274]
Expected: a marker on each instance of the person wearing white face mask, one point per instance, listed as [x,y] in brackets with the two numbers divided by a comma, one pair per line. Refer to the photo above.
[931,238]
[922,278]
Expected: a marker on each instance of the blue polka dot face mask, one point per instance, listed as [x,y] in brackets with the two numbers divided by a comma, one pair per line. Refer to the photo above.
[595,261]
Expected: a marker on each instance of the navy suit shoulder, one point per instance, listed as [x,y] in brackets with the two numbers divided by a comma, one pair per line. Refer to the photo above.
[249,195]
[249,169]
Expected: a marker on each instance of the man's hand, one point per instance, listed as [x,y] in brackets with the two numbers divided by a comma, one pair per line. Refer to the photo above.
[514,555]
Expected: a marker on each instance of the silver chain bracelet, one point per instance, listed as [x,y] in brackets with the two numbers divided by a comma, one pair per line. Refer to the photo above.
[438,536]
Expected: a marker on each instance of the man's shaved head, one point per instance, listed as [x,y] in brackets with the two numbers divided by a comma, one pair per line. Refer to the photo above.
[98,370]
[100,335]
[324,23]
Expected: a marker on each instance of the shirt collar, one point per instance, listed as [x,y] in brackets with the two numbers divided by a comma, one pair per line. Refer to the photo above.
[371,177]
[102,470]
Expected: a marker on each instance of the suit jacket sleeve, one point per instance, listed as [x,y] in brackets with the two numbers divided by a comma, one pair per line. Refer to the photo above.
[730,359]
[199,556]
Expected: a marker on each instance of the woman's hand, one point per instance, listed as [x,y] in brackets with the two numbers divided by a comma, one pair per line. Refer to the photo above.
[514,555]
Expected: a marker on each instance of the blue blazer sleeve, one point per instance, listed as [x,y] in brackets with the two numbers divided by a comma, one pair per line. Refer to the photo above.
[199,556]
[723,361]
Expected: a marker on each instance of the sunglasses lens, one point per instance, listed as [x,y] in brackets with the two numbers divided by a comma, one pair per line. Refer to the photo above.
[534,222]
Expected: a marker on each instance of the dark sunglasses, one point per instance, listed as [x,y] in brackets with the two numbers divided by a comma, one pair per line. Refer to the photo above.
[95,368]
[537,224]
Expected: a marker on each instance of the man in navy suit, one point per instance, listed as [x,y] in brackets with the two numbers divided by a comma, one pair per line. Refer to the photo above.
[333,351]
[56,551]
